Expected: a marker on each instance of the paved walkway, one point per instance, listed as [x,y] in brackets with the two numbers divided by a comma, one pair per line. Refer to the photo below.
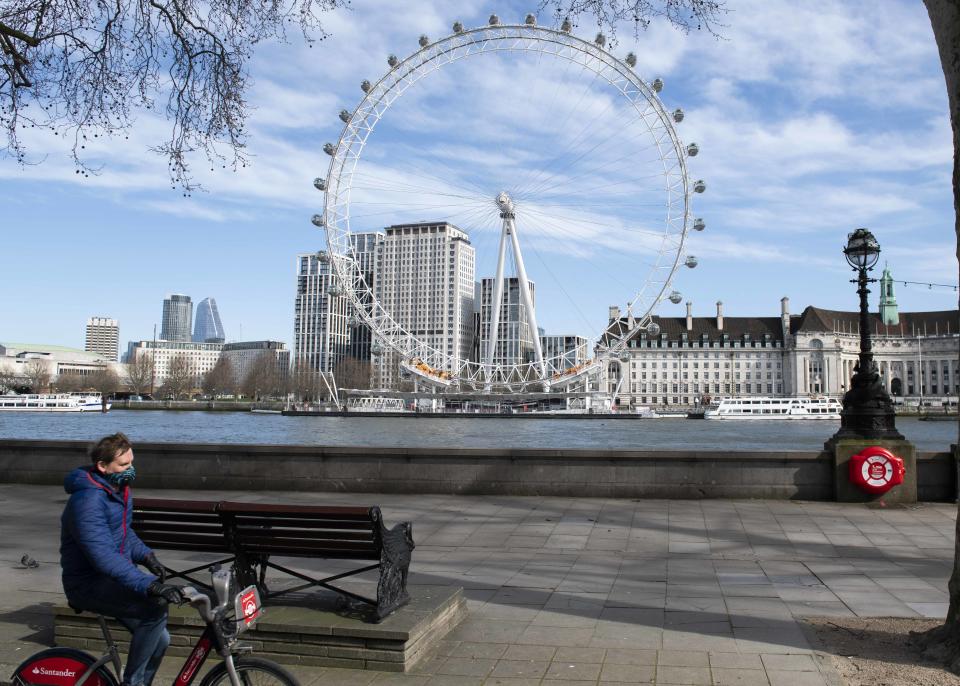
[590,591]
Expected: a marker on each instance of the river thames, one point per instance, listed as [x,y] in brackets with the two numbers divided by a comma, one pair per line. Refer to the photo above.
[466,432]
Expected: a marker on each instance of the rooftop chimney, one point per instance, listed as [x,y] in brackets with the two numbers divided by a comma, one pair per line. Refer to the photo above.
[785,315]
[720,315]
[614,313]
[689,316]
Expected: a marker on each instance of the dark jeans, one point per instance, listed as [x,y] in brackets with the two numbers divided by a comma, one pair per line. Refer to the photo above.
[144,617]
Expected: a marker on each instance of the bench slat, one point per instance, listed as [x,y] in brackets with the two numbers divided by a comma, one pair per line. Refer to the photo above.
[247,521]
[162,504]
[299,551]
[162,519]
[244,534]
[328,511]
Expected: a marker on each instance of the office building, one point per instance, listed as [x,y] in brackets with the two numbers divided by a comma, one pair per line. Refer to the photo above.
[364,247]
[243,355]
[103,338]
[207,327]
[200,357]
[564,352]
[177,318]
[425,282]
[514,339]
[321,331]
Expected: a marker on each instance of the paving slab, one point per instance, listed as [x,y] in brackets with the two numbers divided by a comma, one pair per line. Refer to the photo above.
[584,591]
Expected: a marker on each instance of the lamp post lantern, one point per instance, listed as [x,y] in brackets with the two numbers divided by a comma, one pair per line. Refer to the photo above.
[867,408]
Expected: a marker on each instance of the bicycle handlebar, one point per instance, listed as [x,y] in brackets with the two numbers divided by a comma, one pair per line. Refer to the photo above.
[200,601]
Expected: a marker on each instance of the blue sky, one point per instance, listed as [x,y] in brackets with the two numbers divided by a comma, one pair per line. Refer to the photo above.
[812,118]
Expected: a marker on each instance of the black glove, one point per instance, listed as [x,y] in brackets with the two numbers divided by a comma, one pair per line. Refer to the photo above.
[153,564]
[169,593]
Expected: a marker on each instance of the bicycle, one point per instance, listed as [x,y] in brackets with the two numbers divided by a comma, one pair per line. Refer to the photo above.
[224,625]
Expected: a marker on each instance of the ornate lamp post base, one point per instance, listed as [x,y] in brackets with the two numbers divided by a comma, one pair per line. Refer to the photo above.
[868,410]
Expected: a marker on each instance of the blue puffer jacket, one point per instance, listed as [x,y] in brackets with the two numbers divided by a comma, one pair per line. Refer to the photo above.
[96,539]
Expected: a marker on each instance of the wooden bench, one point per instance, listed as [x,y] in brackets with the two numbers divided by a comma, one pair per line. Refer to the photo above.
[257,531]
[252,533]
[190,525]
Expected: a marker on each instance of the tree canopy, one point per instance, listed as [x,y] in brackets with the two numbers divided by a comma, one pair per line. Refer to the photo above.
[83,69]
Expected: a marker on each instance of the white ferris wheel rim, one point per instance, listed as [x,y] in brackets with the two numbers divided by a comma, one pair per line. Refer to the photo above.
[377,99]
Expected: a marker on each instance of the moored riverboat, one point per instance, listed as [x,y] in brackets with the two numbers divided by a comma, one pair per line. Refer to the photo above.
[52,402]
[775,408]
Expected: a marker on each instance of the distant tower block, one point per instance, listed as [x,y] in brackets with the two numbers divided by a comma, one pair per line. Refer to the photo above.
[177,318]
[103,337]
[207,327]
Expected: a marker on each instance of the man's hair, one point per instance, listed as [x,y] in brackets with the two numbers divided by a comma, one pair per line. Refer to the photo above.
[108,448]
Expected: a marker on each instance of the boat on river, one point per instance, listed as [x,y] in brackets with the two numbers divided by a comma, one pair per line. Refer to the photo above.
[775,408]
[52,402]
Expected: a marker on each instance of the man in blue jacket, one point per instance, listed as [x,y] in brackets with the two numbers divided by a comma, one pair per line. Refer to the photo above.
[99,553]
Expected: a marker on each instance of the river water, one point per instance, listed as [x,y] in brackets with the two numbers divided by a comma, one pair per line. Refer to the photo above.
[437,432]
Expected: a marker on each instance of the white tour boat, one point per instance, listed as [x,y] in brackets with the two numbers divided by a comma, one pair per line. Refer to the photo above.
[775,408]
[52,402]
[376,404]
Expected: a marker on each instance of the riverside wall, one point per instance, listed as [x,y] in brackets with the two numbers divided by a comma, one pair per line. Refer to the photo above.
[569,473]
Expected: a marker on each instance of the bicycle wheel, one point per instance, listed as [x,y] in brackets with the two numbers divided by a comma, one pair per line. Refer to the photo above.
[60,667]
[253,671]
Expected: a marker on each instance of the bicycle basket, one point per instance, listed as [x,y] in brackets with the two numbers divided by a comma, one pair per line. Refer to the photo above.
[247,608]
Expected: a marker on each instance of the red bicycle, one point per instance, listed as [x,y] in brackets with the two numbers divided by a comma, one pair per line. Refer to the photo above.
[225,623]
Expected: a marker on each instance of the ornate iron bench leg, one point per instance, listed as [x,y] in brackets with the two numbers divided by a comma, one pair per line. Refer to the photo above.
[394,566]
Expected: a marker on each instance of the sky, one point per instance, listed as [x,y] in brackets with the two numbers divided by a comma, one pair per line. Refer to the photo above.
[812,119]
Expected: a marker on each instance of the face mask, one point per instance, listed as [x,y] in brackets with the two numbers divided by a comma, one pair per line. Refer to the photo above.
[120,479]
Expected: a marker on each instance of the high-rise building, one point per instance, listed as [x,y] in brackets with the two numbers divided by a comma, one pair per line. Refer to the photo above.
[364,247]
[564,351]
[425,281]
[321,332]
[207,327]
[514,339]
[177,318]
[103,337]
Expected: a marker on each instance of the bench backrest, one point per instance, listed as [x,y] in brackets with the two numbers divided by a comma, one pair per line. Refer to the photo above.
[303,530]
[193,525]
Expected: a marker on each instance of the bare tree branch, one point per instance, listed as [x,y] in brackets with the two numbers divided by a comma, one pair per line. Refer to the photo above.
[685,15]
[82,69]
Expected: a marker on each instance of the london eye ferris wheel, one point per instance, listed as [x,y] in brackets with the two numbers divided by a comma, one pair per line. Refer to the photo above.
[561,164]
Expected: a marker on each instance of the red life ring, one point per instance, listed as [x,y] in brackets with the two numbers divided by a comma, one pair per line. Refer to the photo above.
[876,470]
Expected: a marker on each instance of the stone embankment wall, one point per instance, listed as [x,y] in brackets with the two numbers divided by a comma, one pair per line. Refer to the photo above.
[577,473]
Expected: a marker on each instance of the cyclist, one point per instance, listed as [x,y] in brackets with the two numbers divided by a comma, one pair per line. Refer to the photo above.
[99,553]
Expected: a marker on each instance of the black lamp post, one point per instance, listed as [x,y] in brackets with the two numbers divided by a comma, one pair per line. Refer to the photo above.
[867,408]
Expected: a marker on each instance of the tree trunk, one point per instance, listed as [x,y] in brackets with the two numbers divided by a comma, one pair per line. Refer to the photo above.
[943,642]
